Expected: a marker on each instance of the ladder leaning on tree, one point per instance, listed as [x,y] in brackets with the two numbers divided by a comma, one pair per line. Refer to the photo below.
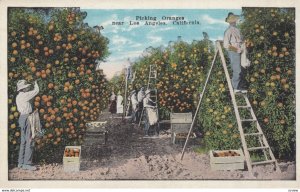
[257,136]
[151,85]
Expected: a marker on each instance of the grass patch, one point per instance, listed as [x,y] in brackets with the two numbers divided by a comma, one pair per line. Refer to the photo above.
[202,149]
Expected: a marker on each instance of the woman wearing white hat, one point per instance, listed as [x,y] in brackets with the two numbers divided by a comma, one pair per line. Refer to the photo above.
[232,43]
[24,107]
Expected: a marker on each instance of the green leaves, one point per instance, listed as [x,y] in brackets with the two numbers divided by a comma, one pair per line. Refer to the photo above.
[274,85]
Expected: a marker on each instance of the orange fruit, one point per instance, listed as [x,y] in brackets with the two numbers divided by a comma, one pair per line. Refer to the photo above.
[12,59]
[50,85]
[266,120]
[13,126]
[14,44]
[17,134]
[44,75]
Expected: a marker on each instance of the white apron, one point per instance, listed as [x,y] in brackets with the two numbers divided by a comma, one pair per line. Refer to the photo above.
[119,104]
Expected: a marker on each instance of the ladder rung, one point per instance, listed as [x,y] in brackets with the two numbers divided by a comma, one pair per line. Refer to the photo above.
[257,148]
[246,106]
[253,134]
[248,120]
[263,162]
[242,93]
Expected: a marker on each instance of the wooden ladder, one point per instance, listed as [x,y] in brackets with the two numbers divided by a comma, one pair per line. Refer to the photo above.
[258,133]
[151,85]
[255,135]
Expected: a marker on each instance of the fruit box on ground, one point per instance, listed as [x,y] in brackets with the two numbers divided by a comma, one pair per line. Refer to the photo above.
[180,124]
[71,158]
[96,133]
[180,138]
[227,159]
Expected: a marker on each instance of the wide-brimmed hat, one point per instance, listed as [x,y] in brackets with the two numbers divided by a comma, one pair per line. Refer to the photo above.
[232,18]
[147,92]
[119,92]
[22,85]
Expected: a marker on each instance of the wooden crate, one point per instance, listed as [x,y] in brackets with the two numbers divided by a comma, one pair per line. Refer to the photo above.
[96,133]
[179,138]
[96,125]
[95,138]
[72,164]
[180,118]
[180,123]
[227,162]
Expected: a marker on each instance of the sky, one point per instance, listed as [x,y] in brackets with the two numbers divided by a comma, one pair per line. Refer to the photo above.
[129,41]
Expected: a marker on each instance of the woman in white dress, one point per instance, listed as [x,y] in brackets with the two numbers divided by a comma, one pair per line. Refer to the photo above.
[119,103]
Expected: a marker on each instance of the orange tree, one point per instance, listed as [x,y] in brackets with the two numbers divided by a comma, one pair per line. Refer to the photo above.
[180,69]
[59,51]
[117,83]
[270,33]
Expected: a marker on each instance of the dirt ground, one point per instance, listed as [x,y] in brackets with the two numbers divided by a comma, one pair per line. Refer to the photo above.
[128,155]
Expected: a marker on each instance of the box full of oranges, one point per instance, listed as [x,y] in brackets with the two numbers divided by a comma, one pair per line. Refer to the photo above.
[227,159]
[71,158]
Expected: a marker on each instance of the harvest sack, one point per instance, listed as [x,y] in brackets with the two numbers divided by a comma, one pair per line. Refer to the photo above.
[152,115]
[244,60]
[34,120]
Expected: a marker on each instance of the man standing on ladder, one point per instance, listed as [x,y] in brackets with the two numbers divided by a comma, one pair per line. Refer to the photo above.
[233,43]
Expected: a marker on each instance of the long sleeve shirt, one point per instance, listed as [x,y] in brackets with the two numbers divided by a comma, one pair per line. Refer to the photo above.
[134,101]
[23,98]
[147,102]
[141,95]
[232,36]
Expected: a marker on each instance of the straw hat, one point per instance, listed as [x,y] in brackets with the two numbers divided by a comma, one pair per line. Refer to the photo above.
[22,85]
[231,18]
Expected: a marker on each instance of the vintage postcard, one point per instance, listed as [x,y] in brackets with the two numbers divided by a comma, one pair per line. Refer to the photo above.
[185,94]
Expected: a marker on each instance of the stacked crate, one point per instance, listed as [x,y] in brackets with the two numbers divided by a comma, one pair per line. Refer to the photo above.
[180,126]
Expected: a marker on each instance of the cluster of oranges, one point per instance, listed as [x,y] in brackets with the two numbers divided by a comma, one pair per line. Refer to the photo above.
[70,152]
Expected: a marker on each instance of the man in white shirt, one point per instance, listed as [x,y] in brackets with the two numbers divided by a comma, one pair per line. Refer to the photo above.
[232,43]
[27,135]
[141,95]
[134,105]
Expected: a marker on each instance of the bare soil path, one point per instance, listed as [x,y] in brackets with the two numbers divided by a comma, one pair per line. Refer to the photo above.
[128,155]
